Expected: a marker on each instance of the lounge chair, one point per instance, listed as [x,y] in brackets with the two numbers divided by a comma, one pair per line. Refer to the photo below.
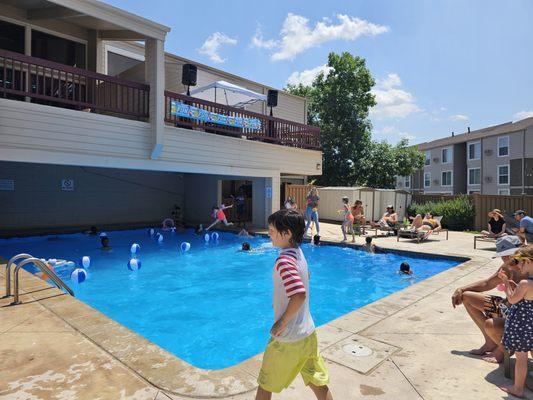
[481,238]
[420,235]
[387,229]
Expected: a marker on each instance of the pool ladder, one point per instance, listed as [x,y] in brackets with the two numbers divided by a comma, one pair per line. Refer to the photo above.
[29,259]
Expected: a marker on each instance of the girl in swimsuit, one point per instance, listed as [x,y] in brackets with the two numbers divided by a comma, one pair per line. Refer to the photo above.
[348,219]
[218,214]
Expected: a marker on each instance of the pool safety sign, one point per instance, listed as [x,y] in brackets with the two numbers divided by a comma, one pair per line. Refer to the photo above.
[67,185]
[268,192]
[179,109]
[7,184]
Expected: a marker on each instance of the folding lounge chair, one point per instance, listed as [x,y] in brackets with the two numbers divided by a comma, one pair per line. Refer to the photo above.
[481,238]
[412,234]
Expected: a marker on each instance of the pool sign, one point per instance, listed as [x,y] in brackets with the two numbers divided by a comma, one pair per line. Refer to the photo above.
[67,185]
[268,192]
[179,109]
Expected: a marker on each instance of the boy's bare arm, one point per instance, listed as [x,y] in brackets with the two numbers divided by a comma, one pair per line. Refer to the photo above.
[294,305]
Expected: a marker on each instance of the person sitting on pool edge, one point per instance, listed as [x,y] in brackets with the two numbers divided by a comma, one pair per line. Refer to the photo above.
[405,269]
[293,345]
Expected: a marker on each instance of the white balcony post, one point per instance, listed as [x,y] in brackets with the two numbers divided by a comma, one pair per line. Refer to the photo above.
[155,77]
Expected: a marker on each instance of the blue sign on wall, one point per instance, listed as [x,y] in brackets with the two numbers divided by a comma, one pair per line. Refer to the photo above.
[179,109]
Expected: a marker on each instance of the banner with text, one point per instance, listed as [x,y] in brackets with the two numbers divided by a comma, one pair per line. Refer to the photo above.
[179,109]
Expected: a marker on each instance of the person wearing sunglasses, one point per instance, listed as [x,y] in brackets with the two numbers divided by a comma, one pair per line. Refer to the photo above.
[518,332]
[486,310]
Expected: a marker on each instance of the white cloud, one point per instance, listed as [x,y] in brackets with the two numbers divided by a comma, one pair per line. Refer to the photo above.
[392,102]
[212,45]
[297,36]
[523,114]
[459,117]
[260,43]
[307,76]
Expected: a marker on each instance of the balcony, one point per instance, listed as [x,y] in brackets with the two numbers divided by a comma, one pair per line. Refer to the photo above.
[40,81]
[45,82]
[207,116]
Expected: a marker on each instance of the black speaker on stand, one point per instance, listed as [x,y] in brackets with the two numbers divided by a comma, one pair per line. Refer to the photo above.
[188,76]
[272,99]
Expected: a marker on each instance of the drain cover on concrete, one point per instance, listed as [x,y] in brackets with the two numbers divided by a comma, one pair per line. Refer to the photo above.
[357,350]
[359,353]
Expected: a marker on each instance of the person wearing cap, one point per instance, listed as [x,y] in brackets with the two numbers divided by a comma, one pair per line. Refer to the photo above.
[487,311]
[525,231]
[496,225]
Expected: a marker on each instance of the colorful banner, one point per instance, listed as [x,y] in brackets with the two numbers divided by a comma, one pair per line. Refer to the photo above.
[179,109]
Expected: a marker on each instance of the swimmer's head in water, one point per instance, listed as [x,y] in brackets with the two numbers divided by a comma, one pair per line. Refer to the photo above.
[405,268]
[93,230]
[368,239]
[104,241]
[246,246]
[316,240]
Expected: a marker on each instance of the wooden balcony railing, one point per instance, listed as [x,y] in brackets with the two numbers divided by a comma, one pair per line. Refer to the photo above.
[46,82]
[220,119]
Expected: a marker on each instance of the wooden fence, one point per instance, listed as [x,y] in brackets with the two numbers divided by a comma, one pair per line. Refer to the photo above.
[484,203]
[298,194]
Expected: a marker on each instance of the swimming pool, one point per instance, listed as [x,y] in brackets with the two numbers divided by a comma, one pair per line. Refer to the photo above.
[211,306]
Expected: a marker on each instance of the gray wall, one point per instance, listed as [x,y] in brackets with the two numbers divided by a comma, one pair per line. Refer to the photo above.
[101,196]
[459,168]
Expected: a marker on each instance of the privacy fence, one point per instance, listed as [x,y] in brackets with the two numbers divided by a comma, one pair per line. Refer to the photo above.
[483,203]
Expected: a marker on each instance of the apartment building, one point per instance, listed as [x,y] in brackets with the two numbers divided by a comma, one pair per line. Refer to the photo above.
[90,135]
[493,160]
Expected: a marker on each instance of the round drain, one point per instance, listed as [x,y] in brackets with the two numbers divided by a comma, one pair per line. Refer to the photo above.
[357,350]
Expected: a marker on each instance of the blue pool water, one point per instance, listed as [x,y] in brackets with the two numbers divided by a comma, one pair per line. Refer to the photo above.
[211,306]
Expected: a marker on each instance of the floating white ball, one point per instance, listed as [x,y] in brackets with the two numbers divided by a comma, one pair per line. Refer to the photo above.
[134,264]
[159,237]
[215,236]
[103,234]
[78,275]
[85,261]
[185,246]
[135,248]
[206,237]
[151,231]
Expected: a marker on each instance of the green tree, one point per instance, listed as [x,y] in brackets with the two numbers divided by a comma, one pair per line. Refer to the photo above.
[339,102]
[384,162]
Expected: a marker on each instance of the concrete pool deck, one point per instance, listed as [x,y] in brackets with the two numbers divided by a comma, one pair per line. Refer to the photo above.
[55,347]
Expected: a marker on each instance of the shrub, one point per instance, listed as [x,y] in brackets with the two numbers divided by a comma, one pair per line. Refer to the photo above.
[457,214]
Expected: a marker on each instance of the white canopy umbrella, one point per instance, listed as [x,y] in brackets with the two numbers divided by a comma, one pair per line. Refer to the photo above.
[227,93]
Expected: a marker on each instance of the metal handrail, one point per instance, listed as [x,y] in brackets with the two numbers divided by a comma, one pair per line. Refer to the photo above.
[8,270]
[44,268]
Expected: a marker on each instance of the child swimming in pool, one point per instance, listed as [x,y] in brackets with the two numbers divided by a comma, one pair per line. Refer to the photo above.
[405,269]
[369,246]
[104,241]
[219,216]
[292,348]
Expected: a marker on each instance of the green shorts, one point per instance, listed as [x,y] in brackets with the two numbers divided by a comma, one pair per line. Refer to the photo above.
[283,361]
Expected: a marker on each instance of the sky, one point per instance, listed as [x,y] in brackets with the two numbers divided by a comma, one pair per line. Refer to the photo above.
[440,66]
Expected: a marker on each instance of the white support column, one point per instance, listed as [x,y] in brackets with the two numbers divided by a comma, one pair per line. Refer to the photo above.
[155,77]
[266,199]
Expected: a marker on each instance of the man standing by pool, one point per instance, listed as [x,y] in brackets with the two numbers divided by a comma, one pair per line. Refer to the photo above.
[487,310]
[292,348]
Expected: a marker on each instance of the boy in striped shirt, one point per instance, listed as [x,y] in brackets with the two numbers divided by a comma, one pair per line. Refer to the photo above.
[292,348]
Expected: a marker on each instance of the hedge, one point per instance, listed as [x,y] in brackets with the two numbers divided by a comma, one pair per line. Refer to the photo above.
[457,214]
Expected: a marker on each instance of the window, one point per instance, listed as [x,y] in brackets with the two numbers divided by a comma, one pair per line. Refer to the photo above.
[446,178]
[474,151]
[428,157]
[503,191]
[503,174]
[11,37]
[503,146]
[57,49]
[474,176]
[427,179]
[407,182]
[446,155]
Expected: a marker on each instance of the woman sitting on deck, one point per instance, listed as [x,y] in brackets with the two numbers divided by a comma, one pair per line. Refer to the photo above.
[496,225]
[427,224]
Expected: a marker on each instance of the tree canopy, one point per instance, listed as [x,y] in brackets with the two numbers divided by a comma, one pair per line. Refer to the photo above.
[339,102]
